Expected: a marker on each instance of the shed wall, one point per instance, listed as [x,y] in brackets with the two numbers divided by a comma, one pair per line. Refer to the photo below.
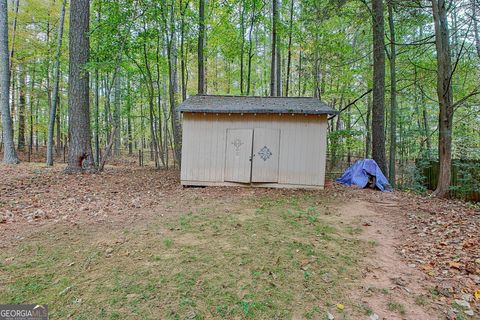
[302,145]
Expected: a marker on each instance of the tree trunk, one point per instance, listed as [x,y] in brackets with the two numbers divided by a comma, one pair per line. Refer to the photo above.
[80,156]
[56,76]
[173,88]
[289,58]
[14,31]
[299,73]
[129,120]
[475,26]
[368,138]
[393,95]
[250,49]
[21,109]
[278,59]
[97,95]
[183,63]
[9,154]
[159,100]
[378,108]
[445,96]
[31,98]
[116,116]
[58,142]
[273,65]
[201,41]
[150,91]
[242,42]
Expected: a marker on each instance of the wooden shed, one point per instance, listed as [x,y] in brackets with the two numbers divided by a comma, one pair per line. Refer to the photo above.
[254,141]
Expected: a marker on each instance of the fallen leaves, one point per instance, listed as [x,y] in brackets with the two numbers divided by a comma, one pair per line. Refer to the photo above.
[441,237]
[455,265]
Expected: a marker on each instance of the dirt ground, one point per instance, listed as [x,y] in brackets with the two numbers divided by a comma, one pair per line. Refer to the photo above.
[355,254]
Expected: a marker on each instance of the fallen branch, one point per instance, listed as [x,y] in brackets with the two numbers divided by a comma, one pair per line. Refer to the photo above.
[350,104]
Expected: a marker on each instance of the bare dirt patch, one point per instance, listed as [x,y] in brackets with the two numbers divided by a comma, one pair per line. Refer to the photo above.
[438,248]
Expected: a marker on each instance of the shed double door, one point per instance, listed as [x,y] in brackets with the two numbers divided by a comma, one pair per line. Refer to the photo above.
[252,155]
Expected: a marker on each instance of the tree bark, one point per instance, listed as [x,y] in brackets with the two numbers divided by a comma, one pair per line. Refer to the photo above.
[56,76]
[201,41]
[378,108]
[14,31]
[173,89]
[9,154]
[445,96]
[393,95]
[183,63]
[129,120]
[368,138]
[242,43]
[21,109]
[80,156]
[31,99]
[289,57]
[475,26]
[273,64]
[97,95]
[116,115]
[250,49]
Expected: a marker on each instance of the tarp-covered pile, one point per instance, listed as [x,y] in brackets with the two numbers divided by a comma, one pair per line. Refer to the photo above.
[362,172]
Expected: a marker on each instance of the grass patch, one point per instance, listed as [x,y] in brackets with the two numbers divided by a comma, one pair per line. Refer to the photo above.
[270,257]
[396,307]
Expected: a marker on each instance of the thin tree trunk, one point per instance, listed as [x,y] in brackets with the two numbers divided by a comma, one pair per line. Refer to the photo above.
[80,157]
[150,91]
[445,96]
[173,87]
[475,26]
[21,109]
[242,42]
[289,58]
[183,63]
[368,138]
[31,98]
[56,76]
[159,101]
[58,127]
[250,49]
[9,154]
[316,70]
[14,31]
[129,120]
[201,41]
[273,64]
[299,73]
[378,108]
[116,116]
[278,59]
[97,95]
[393,95]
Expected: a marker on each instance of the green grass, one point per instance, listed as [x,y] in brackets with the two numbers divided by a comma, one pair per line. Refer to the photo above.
[264,259]
[396,307]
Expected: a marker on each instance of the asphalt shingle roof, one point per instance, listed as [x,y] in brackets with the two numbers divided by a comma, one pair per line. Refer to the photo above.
[243,104]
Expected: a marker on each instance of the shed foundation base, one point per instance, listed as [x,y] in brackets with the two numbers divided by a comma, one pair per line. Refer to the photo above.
[260,185]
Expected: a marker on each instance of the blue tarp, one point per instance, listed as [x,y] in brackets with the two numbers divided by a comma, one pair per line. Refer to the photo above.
[358,173]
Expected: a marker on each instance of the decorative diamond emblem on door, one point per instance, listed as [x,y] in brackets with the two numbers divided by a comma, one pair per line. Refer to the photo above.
[265,153]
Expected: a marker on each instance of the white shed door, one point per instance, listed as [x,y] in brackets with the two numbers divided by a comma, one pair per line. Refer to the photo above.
[266,150]
[238,163]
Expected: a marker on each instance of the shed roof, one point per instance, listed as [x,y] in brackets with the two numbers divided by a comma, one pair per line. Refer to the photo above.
[244,104]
